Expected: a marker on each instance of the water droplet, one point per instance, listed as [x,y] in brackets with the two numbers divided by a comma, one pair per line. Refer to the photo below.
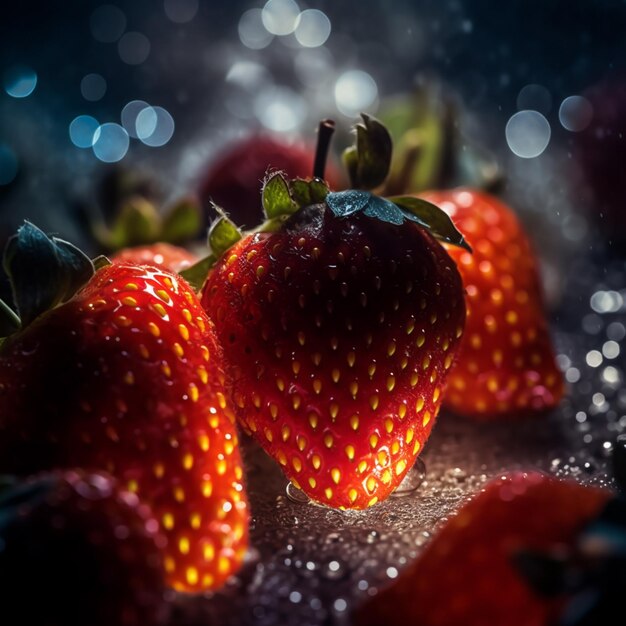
[296,495]
[333,570]
[412,481]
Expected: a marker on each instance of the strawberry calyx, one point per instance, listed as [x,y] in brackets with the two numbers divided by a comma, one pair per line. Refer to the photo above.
[44,271]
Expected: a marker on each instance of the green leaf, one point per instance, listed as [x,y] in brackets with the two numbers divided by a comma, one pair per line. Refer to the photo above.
[197,273]
[182,222]
[100,261]
[138,223]
[307,192]
[368,164]
[43,271]
[223,233]
[433,218]
[276,196]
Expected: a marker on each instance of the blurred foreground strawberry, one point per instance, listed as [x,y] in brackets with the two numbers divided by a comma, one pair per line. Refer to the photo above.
[523,552]
[118,369]
[75,550]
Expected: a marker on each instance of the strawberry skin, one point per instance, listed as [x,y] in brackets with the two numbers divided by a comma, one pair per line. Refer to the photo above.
[467,574]
[339,334]
[506,363]
[164,255]
[86,552]
[127,377]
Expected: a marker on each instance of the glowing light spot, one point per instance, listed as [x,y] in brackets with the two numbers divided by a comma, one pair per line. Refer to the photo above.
[154,126]
[527,134]
[575,113]
[93,87]
[252,32]
[355,91]
[280,17]
[280,109]
[133,48]
[82,131]
[312,28]
[110,143]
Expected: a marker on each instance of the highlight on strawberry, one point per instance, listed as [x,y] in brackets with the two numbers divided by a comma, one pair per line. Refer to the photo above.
[340,319]
[528,549]
[117,368]
[75,549]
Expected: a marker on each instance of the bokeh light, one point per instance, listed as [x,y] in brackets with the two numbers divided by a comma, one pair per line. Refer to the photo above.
[528,134]
[280,17]
[534,97]
[20,81]
[180,11]
[313,66]
[110,143]
[251,31]
[312,29]
[129,116]
[355,91]
[107,23]
[280,109]
[83,131]
[155,126]
[575,113]
[134,48]
[93,87]
[8,165]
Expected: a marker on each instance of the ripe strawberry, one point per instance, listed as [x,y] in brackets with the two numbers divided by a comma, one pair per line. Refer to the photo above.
[76,550]
[126,376]
[467,574]
[161,254]
[339,329]
[235,179]
[506,363]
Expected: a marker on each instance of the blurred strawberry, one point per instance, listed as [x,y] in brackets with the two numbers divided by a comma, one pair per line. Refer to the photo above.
[165,255]
[75,550]
[506,362]
[119,370]
[234,180]
[476,569]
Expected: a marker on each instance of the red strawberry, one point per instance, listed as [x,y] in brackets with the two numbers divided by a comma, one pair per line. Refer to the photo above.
[467,574]
[339,329]
[234,180]
[75,550]
[506,362]
[161,254]
[126,376]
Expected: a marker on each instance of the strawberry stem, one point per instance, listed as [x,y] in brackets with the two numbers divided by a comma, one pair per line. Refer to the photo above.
[324,135]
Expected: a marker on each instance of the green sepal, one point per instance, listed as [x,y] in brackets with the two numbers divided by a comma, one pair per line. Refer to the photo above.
[138,223]
[182,222]
[43,271]
[276,196]
[368,162]
[433,218]
[307,192]
[223,233]
[197,274]
[100,261]
[395,211]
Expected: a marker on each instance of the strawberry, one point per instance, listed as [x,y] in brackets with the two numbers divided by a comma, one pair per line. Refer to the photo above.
[468,574]
[506,363]
[160,254]
[126,376]
[103,542]
[234,179]
[339,330]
